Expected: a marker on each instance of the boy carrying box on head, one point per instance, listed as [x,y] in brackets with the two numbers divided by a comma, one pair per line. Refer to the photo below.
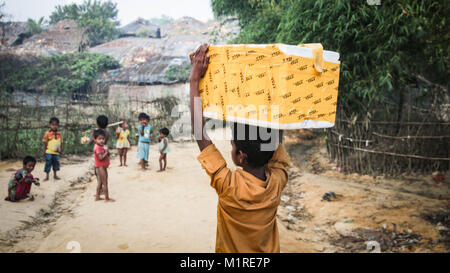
[248,197]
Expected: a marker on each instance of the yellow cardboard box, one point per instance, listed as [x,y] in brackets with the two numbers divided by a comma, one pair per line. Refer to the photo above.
[277,86]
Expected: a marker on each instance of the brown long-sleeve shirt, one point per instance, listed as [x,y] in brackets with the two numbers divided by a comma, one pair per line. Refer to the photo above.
[247,207]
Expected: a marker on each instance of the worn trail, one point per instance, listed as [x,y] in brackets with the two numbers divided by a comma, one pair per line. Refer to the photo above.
[172,211]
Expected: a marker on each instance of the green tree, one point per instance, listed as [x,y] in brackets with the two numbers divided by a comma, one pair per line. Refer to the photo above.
[35,27]
[71,11]
[2,14]
[383,48]
[2,23]
[98,18]
[179,73]
[59,75]
[247,11]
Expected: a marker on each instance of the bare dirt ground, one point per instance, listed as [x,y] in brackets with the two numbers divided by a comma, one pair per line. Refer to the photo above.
[175,211]
[403,215]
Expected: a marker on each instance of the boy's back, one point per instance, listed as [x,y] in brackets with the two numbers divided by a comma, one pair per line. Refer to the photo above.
[247,208]
[248,198]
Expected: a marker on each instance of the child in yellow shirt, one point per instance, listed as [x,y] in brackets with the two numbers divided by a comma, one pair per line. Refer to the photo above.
[248,197]
[52,148]
[123,142]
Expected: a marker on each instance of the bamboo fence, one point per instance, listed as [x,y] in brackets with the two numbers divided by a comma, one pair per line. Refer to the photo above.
[23,125]
[390,147]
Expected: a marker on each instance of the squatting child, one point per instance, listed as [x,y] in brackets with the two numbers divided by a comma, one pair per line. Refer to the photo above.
[248,197]
[19,186]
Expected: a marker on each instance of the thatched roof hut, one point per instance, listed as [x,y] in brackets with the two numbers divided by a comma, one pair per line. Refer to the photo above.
[140,27]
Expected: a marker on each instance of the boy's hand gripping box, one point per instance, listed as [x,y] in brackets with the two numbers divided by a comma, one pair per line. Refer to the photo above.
[277,86]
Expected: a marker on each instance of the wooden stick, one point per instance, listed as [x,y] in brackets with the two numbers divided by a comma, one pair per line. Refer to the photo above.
[409,137]
[394,122]
[395,154]
[114,124]
[351,139]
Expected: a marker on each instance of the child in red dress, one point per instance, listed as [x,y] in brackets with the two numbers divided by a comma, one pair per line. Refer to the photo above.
[101,157]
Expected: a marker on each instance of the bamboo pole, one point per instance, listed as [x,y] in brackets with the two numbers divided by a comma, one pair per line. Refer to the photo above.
[411,137]
[395,154]
[395,122]
[408,130]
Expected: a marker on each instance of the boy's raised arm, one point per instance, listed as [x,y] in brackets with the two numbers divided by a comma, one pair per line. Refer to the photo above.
[280,158]
[91,139]
[199,65]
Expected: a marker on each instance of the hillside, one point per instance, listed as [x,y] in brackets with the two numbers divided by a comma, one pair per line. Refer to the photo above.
[143,60]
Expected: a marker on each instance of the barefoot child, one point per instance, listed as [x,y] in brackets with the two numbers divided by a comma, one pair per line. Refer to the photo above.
[52,148]
[145,135]
[101,157]
[102,123]
[163,148]
[20,184]
[248,197]
[123,141]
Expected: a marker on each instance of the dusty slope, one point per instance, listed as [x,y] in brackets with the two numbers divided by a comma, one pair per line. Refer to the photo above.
[175,211]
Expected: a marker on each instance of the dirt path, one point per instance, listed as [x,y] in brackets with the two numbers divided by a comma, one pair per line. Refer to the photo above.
[15,215]
[402,215]
[175,211]
[154,212]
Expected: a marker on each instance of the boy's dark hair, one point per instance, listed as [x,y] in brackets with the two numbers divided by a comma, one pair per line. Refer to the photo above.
[99,132]
[143,116]
[249,140]
[28,159]
[54,119]
[164,131]
[102,121]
